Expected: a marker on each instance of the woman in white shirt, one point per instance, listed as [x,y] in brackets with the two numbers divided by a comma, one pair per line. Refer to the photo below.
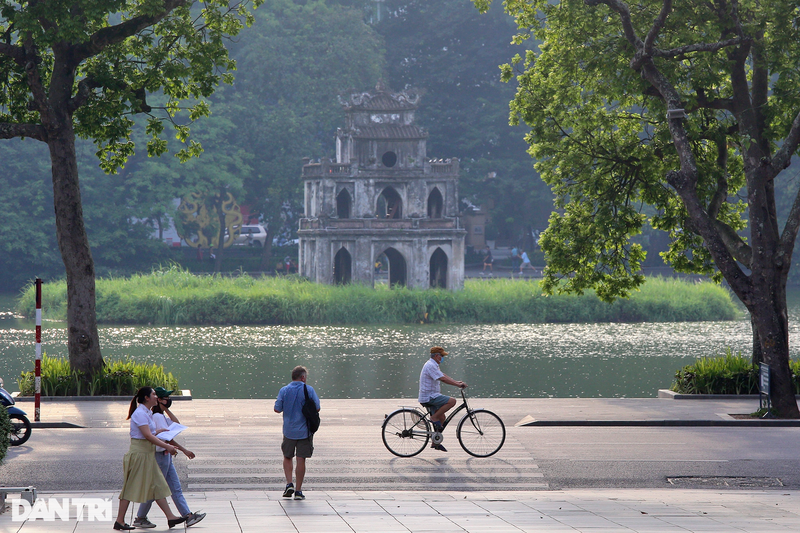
[143,479]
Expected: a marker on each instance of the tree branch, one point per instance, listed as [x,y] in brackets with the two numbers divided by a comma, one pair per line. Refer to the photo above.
[15,53]
[12,130]
[625,16]
[700,47]
[783,157]
[112,35]
[658,24]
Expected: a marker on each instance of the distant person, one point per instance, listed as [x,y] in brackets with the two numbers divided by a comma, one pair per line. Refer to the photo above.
[488,260]
[297,439]
[525,263]
[142,479]
[164,418]
[430,396]
[378,266]
[516,260]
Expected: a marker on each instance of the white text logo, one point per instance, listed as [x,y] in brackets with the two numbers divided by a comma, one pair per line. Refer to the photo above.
[47,509]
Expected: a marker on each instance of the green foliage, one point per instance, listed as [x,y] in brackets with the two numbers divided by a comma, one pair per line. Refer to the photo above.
[599,132]
[118,378]
[729,374]
[5,431]
[176,296]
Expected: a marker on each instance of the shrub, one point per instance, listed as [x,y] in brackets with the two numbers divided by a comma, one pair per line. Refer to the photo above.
[118,378]
[729,374]
[5,432]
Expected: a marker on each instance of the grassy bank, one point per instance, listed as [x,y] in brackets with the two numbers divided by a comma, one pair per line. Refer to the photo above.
[728,374]
[174,296]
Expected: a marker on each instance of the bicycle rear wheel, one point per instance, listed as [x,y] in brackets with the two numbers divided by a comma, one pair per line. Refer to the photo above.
[405,432]
[481,433]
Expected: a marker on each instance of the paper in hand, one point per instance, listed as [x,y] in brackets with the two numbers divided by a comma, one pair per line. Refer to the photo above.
[171,433]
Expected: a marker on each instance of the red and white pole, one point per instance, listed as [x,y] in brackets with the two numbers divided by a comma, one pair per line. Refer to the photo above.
[37,374]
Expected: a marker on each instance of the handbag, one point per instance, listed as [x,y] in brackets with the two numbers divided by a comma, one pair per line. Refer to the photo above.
[310,412]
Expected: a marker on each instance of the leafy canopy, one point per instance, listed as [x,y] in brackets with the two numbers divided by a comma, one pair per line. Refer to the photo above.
[602,140]
[116,53]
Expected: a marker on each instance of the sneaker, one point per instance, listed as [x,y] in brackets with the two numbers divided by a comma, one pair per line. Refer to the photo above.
[143,523]
[298,495]
[194,518]
[289,490]
[437,427]
[439,447]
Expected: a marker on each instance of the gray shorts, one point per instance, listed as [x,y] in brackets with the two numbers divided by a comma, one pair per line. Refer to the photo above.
[437,402]
[304,447]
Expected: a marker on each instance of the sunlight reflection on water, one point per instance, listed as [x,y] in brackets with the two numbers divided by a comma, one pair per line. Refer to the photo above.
[523,360]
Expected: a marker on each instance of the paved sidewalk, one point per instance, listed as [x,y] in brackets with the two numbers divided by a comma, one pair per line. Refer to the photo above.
[336,412]
[595,511]
[587,510]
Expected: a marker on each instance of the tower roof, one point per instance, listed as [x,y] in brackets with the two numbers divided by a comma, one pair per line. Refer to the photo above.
[381,99]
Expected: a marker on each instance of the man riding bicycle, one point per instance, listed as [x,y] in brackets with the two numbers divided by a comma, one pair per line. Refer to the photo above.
[430,380]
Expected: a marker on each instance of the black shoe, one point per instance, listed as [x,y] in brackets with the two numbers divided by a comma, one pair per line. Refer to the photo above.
[123,526]
[287,493]
[173,523]
[437,426]
[439,447]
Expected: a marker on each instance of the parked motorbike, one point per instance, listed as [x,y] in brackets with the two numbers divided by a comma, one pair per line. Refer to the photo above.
[20,425]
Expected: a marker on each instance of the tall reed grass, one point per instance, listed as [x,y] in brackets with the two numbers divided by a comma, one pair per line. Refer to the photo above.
[118,378]
[728,374]
[175,296]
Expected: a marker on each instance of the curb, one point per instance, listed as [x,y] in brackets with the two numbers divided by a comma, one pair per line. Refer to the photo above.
[667,394]
[186,396]
[783,423]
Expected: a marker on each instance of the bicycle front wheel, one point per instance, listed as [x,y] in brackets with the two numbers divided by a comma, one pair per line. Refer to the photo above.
[405,432]
[481,433]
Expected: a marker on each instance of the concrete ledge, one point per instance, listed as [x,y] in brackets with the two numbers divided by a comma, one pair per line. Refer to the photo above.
[758,422]
[55,425]
[670,395]
[186,395]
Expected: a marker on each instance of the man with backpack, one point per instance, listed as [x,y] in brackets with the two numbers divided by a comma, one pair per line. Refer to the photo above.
[297,435]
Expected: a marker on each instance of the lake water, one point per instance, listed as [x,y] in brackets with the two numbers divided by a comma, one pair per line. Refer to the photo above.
[512,360]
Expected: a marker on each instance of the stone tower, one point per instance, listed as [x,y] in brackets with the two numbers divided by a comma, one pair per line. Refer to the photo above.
[382,195]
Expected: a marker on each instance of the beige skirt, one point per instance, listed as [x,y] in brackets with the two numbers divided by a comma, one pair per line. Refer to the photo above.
[143,479]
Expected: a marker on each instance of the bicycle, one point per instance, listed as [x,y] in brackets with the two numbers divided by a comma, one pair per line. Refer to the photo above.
[407,431]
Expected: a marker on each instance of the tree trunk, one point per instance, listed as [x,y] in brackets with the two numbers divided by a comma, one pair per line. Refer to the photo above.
[771,319]
[758,356]
[221,239]
[83,341]
[266,251]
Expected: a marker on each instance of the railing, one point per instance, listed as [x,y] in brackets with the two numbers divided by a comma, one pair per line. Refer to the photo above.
[325,168]
[377,223]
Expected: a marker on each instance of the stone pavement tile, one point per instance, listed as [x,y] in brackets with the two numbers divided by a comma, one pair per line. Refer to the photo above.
[257,508]
[457,508]
[373,524]
[697,524]
[409,508]
[317,524]
[545,506]
[302,508]
[582,519]
[360,507]
[503,507]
